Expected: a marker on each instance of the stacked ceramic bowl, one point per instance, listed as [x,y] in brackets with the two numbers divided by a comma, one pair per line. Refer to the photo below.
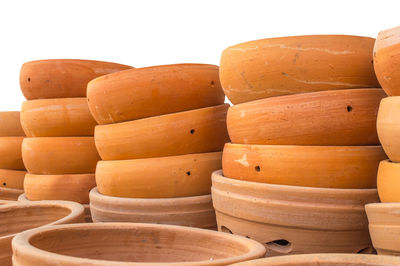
[304,151]
[160,136]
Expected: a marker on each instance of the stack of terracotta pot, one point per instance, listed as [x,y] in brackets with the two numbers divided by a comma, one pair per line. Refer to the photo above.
[160,135]
[304,151]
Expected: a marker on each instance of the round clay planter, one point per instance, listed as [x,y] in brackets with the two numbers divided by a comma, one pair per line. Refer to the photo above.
[10,124]
[10,153]
[63,117]
[342,117]
[62,78]
[294,219]
[196,131]
[309,166]
[10,193]
[186,211]
[291,65]
[16,218]
[153,91]
[12,178]
[123,244]
[60,155]
[389,181]
[164,177]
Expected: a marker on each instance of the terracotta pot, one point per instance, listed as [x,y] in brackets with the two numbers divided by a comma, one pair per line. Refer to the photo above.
[59,187]
[343,117]
[187,211]
[163,177]
[10,124]
[63,117]
[294,219]
[60,155]
[10,153]
[154,91]
[389,181]
[310,166]
[12,178]
[291,65]
[102,244]
[62,78]
[10,193]
[16,218]
[201,130]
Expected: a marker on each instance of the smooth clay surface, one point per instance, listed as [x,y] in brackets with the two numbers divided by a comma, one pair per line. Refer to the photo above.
[10,124]
[388,181]
[12,178]
[10,193]
[10,153]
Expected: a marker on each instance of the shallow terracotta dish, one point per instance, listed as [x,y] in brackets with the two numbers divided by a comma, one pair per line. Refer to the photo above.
[389,181]
[10,193]
[60,155]
[12,178]
[63,117]
[10,153]
[10,124]
[299,64]
[130,244]
[186,211]
[163,177]
[310,166]
[62,78]
[195,131]
[294,219]
[341,117]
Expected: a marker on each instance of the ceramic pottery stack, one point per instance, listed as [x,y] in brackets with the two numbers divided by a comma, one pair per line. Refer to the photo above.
[304,151]
[160,136]
[59,151]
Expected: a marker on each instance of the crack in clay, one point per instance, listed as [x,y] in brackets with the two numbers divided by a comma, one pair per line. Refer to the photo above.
[243,161]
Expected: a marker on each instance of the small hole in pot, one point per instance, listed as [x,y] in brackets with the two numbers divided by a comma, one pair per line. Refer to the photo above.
[212,83]
[188,173]
[192,131]
[257,168]
[226,230]
[29,79]
[349,108]
[281,246]
[4,184]
[367,250]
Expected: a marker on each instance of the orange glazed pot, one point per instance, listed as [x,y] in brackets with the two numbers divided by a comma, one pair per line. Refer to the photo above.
[195,131]
[154,91]
[12,178]
[10,193]
[342,118]
[299,64]
[125,244]
[62,78]
[10,124]
[62,117]
[389,181]
[294,219]
[60,155]
[309,166]
[10,153]
[164,177]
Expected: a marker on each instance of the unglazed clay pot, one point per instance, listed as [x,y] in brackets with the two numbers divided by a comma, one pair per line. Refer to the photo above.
[163,177]
[195,131]
[310,166]
[16,218]
[341,117]
[12,178]
[389,181]
[60,155]
[10,193]
[62,78]
[10,153]
[123,244]
[291,65]
[57,118]
[10,124]
[154,91]
[294,219]
[187,211]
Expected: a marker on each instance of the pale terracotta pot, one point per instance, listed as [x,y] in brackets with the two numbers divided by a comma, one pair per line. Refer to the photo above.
[10,193]
[341,117]
[16,218]
[154,91]
[291,65]
[64,117]
[186,211]
[10,124]
[163,177]
[12,178]
[123,244]
[195,131]
[62,78]
[10,153]
[60,155]
[294,219]
[389,181]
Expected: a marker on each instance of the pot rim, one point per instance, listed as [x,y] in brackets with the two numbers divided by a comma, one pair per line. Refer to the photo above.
[23,198]
[69,60]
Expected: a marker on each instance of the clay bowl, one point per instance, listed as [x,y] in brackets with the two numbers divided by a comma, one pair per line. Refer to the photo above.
[299,64]
[10,193]
[388,181]
[63,117]
[10,153]
[16,218]
[153,91]
[309,166]
[62,78]
[341,117]
[60,155]
[294,219]
[186,211]
[101,244]
[164,177]
[12,178]
[195,131]
[10,124]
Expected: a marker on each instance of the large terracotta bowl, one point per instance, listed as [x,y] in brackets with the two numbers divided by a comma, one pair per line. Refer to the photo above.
[10,124]
[294,219]
[62,78]
[12,178]
[10,193]
[101,244]
[341,117]
[389,181]
[154,91]
[10,153]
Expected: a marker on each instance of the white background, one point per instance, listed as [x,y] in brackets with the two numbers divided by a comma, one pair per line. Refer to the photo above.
[143,33]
